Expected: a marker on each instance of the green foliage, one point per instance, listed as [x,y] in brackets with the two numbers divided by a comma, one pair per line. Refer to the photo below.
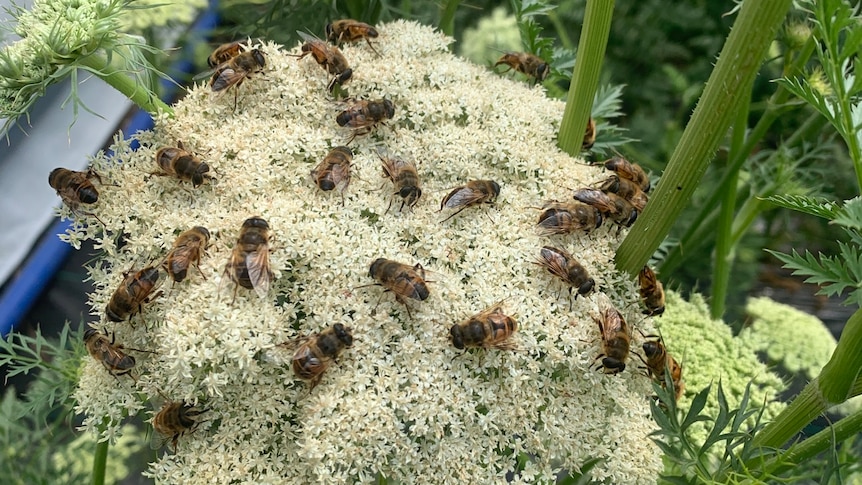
[607,105]
[528,14]
[722,455]
[59,39]
[833,87]
[34,428]
[835,274]
[58,364]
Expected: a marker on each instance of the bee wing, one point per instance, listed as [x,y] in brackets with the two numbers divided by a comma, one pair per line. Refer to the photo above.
[410,282]
[597,199]
[205,74]
[462,196]
[646,277]
[555,263]
[341,173]
[308,37]
[224,78]
[157,440]
[259,271]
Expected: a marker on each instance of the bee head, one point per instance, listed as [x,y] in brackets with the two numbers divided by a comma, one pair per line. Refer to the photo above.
[456,336]
[343,333]
[375,266]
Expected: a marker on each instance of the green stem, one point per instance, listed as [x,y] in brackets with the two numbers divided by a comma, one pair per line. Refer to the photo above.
[114,75]
[842,371]
[813,446]
[585,76]
[811,402]
[447,19]
[737,65]
[724,244]
[790,421]
[746,215]
[100,460]
[776,105]
[834,63]
[802,410]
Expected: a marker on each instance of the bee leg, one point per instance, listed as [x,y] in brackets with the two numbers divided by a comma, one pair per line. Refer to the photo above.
[201,272]
[459,354]
[402,301]
[372,47]
[454,214]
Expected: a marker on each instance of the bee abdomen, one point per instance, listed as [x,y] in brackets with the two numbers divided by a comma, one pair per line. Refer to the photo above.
[87,193]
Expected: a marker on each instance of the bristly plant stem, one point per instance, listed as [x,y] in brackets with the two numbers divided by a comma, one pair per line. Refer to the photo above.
[100,460]
[775,106]
[737,65]
[585,76]
[724,245]
[99,64]
[838,381]
[843,369]
[813,446]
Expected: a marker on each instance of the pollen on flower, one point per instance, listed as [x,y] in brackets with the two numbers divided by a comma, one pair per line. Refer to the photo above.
[401,402]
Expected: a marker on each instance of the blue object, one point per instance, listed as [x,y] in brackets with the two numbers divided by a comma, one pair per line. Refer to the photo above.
[42,264]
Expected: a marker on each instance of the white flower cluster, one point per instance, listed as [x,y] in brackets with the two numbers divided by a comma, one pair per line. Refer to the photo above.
[401,404]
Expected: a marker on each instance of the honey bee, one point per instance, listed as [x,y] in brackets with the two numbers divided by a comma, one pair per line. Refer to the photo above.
[402,280]
[111,355]
[236,70]
[567,217]
[629,171]
[75,188]
[525,63]
[618,209]
[652,292]
[182,164]
[363,115]
[187,251]
[490,328]
[474,192]
[317,352]
[404,177]
[589,135]
[225,52]
[626,189]
[349,30]
[564,266]
[334,170]
[135,290]
[658,359]
[174,420]
[616,339]
[248,265]
[329,57]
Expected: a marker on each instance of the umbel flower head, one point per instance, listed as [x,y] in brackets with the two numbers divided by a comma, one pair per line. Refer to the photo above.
[402,403]
[59,37]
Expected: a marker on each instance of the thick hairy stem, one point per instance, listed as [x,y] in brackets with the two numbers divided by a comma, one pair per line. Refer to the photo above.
[737,65]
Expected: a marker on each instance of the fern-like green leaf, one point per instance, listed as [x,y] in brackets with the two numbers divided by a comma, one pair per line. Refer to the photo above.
[816,206]
[830,272]
[802,89]
[850,215]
